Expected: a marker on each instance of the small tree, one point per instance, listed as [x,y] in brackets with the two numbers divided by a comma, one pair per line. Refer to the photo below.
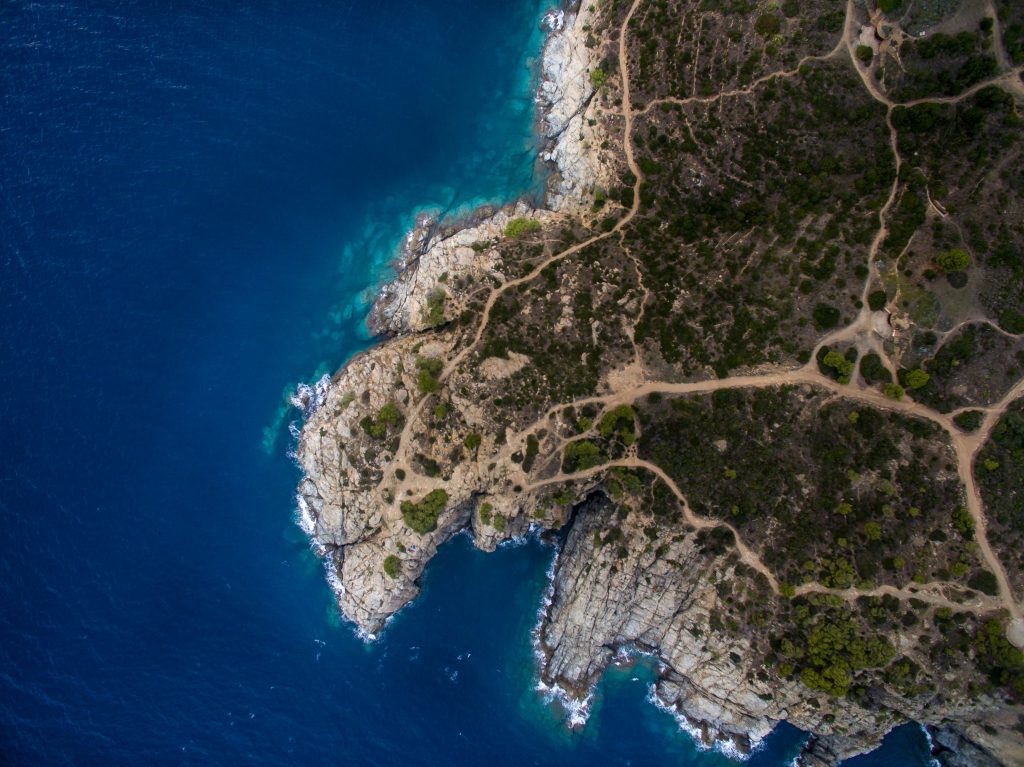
[917,378]
[392,566]
[955,260]
[430,368]
[433,312]
[877,300]
[422,516]
[894,391]
[825,316]
[518,227]
[768,24]
[485,512]
[839,363]
[389,414]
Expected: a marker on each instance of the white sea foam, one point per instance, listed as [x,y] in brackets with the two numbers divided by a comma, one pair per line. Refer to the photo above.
[554,20]
[339,590]
[304,517]
[333,580]
[308,398]
[577,711]
[725,746]
[931,744]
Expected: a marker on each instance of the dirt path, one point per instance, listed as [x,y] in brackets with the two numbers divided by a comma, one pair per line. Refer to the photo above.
[928,592]
[925,592]
[1010,80]
[701,523]
[747,89]
[965,448]
[979,320]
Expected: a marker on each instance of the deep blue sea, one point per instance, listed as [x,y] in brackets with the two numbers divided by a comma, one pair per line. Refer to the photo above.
[196,200]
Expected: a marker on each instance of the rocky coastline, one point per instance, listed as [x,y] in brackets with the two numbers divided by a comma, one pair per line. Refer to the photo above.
[567,137]
[602,601]
[334,506]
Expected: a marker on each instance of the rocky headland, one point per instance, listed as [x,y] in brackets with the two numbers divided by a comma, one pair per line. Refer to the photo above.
[469,417]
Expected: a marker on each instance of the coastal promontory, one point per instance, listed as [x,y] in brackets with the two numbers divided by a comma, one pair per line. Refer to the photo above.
[758,360]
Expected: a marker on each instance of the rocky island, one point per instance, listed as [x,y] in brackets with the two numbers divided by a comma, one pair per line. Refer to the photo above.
[759,359]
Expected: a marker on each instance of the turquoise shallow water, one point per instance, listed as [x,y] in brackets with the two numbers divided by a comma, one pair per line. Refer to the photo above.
[195,198]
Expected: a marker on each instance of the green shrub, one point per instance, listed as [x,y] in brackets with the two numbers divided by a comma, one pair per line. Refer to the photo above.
[894,391]
[472,441]
[433,312]
[955,260]
[873,371]
[485,512]
[422,516]
[392,566]
[969,420]
[963,522]
[430,368]
[985,582]
[865,53]
[372,427]
[598,77]
[825,317]
[500,523]
[387,416]
[767,24]
[840,364]
[532,450]
[621,422]
[518,227]
[877,300]
[1011,321]
[390,414]
[835,650]
[999,660]
[581,455]
[430,467]
[917,378]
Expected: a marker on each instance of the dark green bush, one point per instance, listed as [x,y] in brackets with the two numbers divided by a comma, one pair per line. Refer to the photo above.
[422,515]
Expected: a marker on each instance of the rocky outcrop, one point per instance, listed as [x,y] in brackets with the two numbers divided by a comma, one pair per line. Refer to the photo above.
[664,598]
[434,258]
[951,749]
[572,137]
[569,124]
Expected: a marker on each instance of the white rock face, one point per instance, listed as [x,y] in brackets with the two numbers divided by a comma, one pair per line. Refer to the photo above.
[566,98]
